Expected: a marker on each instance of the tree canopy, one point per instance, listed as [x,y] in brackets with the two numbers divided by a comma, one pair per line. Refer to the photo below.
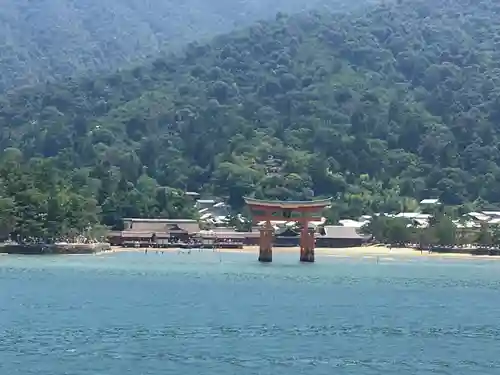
[441,231]
[50,39]
[379,108]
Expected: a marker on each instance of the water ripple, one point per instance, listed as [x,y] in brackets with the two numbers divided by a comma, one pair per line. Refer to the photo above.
[86,316]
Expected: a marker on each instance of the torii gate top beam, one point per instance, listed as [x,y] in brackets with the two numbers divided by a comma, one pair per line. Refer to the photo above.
[300,211]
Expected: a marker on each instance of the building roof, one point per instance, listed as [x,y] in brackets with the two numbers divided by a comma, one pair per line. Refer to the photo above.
[408,215]
[158,226]
[228,234]
[166,221]
[420,223]
[282,223]
[288,204]
[220,230]
[141,226]
[429,201]
[288,232]
[190,228]
[129,234]
[352,223]
[468,224]
[341,232]
[479,216]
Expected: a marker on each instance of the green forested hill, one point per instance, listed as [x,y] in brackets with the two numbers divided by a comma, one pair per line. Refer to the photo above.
[46,39]
[377,108]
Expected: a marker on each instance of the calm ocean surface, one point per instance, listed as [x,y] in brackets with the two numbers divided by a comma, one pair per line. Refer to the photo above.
[207,313]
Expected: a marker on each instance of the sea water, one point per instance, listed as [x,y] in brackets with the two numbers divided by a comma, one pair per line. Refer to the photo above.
[225,314]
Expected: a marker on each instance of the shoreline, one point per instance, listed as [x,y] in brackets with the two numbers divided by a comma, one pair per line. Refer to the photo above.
[374,251]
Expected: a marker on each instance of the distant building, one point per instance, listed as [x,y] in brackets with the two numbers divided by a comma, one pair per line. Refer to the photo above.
[204,203]
[429,202]
[287,237]
[353,223]
[492,214]
[139,224]
[478,216]
[146,231]
[280,224]
[340,236]
[413,215]
[228,235]
[213,212]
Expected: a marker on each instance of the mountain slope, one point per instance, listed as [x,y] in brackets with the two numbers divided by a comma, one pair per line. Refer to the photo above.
[378,108]
[40,40]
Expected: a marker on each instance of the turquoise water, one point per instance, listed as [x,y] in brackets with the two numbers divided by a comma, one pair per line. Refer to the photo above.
[207,313]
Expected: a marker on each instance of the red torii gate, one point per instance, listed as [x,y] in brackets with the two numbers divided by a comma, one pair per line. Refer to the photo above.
[302,212]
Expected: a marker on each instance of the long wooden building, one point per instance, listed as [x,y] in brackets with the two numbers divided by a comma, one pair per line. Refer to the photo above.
[162,232]
[145,232]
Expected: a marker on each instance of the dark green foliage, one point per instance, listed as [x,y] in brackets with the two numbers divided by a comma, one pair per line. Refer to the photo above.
[42,40]
[38,202]
[394,231]
[441,230]
[379,109]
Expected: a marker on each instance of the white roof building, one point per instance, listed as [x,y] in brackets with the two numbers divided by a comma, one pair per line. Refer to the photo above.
[479,216]
[430,201]
[353,223]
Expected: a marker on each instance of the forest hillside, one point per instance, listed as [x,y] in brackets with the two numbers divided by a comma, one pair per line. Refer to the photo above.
[378,108]
[43,40]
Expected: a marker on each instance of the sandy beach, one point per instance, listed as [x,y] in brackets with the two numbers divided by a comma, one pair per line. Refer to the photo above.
[349,252]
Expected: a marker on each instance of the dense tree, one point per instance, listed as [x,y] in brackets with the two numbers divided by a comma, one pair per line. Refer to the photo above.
[485,236]
[442,230]
[38,202]
[378,108]
[49,39]
[389,230]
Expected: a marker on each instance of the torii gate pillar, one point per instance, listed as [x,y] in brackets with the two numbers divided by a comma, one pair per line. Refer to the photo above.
[266,243]
[307,243]
[302,212]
